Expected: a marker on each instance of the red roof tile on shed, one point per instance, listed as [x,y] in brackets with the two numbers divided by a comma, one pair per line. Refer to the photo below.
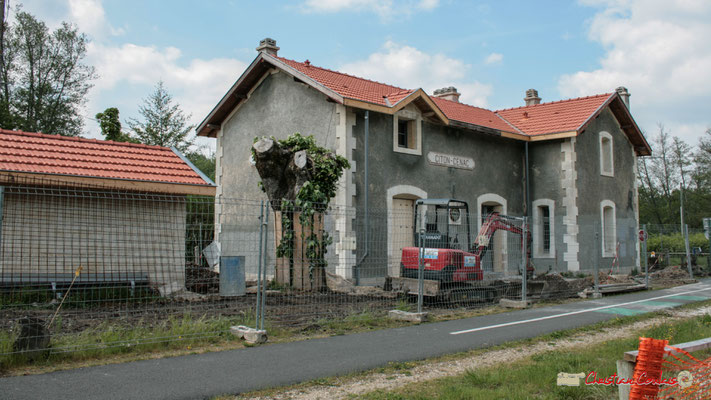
[554,117]
[61,155]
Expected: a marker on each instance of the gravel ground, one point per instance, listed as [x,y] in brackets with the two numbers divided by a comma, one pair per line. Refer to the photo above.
[343,387]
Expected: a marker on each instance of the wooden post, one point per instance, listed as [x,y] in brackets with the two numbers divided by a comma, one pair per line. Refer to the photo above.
[294,272]
[282,273]
[625,370]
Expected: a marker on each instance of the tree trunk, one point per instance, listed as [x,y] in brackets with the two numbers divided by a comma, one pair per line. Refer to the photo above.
[283,172]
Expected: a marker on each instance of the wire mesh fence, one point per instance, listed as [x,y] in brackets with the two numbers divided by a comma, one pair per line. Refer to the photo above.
[667,246]
[90,268]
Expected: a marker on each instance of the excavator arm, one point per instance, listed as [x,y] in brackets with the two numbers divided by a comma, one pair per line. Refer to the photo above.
[494,223]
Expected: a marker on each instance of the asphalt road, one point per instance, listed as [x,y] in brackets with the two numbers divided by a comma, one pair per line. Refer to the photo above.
[237,371]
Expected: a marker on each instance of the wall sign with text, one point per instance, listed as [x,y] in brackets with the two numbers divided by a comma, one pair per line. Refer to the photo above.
[449,160]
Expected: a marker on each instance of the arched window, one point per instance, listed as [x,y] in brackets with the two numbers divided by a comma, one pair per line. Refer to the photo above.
[609,228]
[607,163]
[543,228]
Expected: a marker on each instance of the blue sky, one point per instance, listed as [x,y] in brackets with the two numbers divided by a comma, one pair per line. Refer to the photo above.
[492,51]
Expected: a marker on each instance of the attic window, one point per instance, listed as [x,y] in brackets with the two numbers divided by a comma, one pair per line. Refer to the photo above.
[407,133]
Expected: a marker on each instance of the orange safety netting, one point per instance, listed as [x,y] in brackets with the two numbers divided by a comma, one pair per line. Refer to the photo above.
[667,372]
[692,375]
[648,368]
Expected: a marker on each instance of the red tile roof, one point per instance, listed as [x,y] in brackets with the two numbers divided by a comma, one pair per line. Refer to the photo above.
[472,115]
[542,119]
[554,117]
[61,155]
[349,86]
[353,87]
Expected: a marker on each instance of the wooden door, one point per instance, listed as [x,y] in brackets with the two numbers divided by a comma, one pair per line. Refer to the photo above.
[402,232]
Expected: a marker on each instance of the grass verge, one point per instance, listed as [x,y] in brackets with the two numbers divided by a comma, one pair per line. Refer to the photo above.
[121,341]
[358,382]
[535,376]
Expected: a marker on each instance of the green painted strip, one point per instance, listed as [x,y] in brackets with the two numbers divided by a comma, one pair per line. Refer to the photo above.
[621,311]
[692,298]
[659,304]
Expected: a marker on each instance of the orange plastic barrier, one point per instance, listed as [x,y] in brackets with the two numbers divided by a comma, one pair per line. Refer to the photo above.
[648,369]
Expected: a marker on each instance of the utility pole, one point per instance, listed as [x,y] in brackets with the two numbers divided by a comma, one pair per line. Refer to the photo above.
[681,207]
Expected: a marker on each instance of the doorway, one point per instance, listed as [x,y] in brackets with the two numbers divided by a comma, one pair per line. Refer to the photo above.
[495,258]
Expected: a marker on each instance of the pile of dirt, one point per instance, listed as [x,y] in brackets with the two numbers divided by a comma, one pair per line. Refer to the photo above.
[606,279]
[201,280]
[557,286]
[673,274]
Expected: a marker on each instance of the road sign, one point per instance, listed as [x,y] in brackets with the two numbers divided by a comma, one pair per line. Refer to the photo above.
[642,235]
[707,228]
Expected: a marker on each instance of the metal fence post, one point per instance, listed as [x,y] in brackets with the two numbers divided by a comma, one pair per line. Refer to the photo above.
[597,248]
[421,272]
[259,265]
[707,232]
[645,259]
[264,267]
[688,252]
[524,236]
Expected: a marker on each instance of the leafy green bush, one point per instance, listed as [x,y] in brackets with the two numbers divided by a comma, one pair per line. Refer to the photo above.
[675,242]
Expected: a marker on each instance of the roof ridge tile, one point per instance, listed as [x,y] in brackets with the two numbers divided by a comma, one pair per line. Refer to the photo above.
[555,102]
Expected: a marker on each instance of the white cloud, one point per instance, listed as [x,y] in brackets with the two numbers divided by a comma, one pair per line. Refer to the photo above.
[494,58]
[199,79]
[90,17]
[196,84]
[428,4]
[128,72]
[384,8]
[408,67]
[659,50]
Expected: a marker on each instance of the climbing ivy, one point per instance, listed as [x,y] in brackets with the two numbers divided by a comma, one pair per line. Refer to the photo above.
[311,201]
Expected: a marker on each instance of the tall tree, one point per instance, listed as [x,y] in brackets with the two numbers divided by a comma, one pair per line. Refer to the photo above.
[164,123]
[702,159]
[44,81]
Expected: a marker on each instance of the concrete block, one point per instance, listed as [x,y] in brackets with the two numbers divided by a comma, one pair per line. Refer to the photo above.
[249,335]
[408,316]
[588,293]
[515,303]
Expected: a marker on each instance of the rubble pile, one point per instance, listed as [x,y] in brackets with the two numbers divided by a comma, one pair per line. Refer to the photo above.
[673,274]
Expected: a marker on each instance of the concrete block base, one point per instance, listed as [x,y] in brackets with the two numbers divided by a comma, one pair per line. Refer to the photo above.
[515,303]
[585,294]
[408,316]
[249,335]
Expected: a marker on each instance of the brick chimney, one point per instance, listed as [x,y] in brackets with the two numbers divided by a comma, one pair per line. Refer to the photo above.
[625,95]
[268,45]
[532,97]
[448,93]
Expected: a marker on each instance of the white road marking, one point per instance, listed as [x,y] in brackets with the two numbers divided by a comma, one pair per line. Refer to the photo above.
[483,328]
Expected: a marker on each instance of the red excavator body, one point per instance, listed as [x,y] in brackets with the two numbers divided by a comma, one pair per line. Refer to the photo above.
[441,256]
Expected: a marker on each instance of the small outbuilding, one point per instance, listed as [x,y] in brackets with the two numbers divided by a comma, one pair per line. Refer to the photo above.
[117,210]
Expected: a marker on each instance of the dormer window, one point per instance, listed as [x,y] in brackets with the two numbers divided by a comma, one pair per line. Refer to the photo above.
[607,165]
[407,132]
[405,136]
